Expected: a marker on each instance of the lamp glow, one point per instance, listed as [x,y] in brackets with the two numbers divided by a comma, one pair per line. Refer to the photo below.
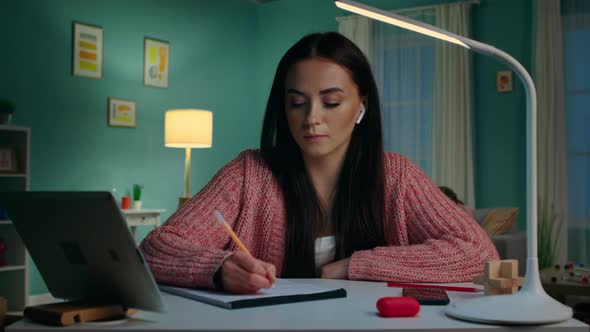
[531,305]
[185,128]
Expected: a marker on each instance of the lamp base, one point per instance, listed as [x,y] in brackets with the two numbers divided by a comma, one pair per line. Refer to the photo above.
[182,201]
[530,306]
[522,308]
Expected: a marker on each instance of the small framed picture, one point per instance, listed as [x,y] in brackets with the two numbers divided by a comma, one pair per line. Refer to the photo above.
[87,48]
[7,160]
[122,113]
[155,68]
[504,81]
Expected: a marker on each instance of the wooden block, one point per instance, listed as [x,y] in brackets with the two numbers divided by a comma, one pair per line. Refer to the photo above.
[500,282]
[509,268]
[69,313]
[492,269]
[509,290]
[506,282]
[500,277]
[488,290]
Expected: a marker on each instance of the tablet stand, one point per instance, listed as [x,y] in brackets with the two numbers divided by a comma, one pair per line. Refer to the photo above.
[69,313]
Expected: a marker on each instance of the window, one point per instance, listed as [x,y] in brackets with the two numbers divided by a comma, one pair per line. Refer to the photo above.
[576,34]
[403,62]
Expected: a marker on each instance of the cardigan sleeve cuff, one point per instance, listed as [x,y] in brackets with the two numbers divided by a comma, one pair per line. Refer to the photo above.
[209,263]
[360,266]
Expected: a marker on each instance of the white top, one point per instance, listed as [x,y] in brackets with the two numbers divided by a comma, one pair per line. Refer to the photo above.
[325,250]
[141,211]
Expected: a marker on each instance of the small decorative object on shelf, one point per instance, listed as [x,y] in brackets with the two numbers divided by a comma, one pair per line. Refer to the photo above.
[7,160]
[125,202]
[137,191]
[567,279]
[571,273]
[500,277]
[6,111]
[3,249]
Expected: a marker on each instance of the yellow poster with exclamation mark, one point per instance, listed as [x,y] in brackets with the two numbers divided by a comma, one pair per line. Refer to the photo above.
[156,63]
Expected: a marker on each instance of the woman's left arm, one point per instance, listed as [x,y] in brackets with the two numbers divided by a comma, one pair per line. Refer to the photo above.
[444,243]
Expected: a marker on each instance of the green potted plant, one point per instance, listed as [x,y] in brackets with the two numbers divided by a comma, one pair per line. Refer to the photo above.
[548,234]
[137,191]
[6,111]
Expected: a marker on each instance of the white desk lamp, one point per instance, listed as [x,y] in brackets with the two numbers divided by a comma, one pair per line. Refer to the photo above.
[531,305]
[185,128]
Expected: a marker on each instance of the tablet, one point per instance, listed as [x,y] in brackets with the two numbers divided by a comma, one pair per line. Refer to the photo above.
[83,248]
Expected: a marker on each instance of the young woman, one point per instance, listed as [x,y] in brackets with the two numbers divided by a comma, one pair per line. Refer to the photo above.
[320,198]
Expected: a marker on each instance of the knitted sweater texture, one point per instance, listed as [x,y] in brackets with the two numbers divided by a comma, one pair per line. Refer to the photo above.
[429,238]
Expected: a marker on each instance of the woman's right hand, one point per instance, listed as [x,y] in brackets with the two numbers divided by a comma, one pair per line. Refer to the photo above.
[244,274]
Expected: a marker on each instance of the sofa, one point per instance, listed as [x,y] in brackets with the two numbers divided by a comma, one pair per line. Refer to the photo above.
[500,225]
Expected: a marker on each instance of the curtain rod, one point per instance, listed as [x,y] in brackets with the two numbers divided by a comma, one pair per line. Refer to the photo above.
[403,10]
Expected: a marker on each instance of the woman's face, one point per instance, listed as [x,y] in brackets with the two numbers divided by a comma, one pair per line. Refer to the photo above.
[322,105]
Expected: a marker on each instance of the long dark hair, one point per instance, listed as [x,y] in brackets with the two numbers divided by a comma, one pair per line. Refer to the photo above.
[357,211]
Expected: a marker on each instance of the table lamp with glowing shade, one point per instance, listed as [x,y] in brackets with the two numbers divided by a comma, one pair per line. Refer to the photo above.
[531,305]
[186,128]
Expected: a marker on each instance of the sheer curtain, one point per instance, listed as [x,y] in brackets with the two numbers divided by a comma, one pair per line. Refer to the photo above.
[403,62]
[552,173]
[359,30]
[453,146]
[576,52]
[425,91]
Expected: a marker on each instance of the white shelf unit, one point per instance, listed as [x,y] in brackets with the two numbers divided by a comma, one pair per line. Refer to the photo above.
[15,274]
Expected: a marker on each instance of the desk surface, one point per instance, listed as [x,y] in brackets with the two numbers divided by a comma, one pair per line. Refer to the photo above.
[356,312]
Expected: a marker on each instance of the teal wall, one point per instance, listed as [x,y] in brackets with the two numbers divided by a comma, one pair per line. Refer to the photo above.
[500,127]
[7,45]
[223,57]
[73,148]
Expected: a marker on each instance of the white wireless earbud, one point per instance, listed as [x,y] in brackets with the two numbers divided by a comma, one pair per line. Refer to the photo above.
[361,115]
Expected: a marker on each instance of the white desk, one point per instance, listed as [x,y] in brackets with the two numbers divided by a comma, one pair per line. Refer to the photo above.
[356,312]
[142,217]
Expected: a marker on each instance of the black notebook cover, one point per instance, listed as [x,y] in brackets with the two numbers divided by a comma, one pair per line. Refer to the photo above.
[284,291]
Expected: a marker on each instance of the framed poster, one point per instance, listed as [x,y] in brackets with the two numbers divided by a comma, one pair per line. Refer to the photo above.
[122,113]
[87,48]
[155,68]
[504,81]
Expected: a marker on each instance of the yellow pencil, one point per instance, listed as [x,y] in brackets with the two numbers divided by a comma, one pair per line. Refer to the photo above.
[231,233]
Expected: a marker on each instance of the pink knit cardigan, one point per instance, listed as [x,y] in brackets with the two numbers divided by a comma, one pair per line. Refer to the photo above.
[429,238]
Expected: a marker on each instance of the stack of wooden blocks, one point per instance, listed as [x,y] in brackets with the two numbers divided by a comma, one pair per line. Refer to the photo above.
[500,277]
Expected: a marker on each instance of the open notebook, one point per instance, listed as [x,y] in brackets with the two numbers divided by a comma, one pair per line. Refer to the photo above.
[283,291]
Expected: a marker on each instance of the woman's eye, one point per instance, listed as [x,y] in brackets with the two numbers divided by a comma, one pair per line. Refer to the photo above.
[331,105]
[297,104]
